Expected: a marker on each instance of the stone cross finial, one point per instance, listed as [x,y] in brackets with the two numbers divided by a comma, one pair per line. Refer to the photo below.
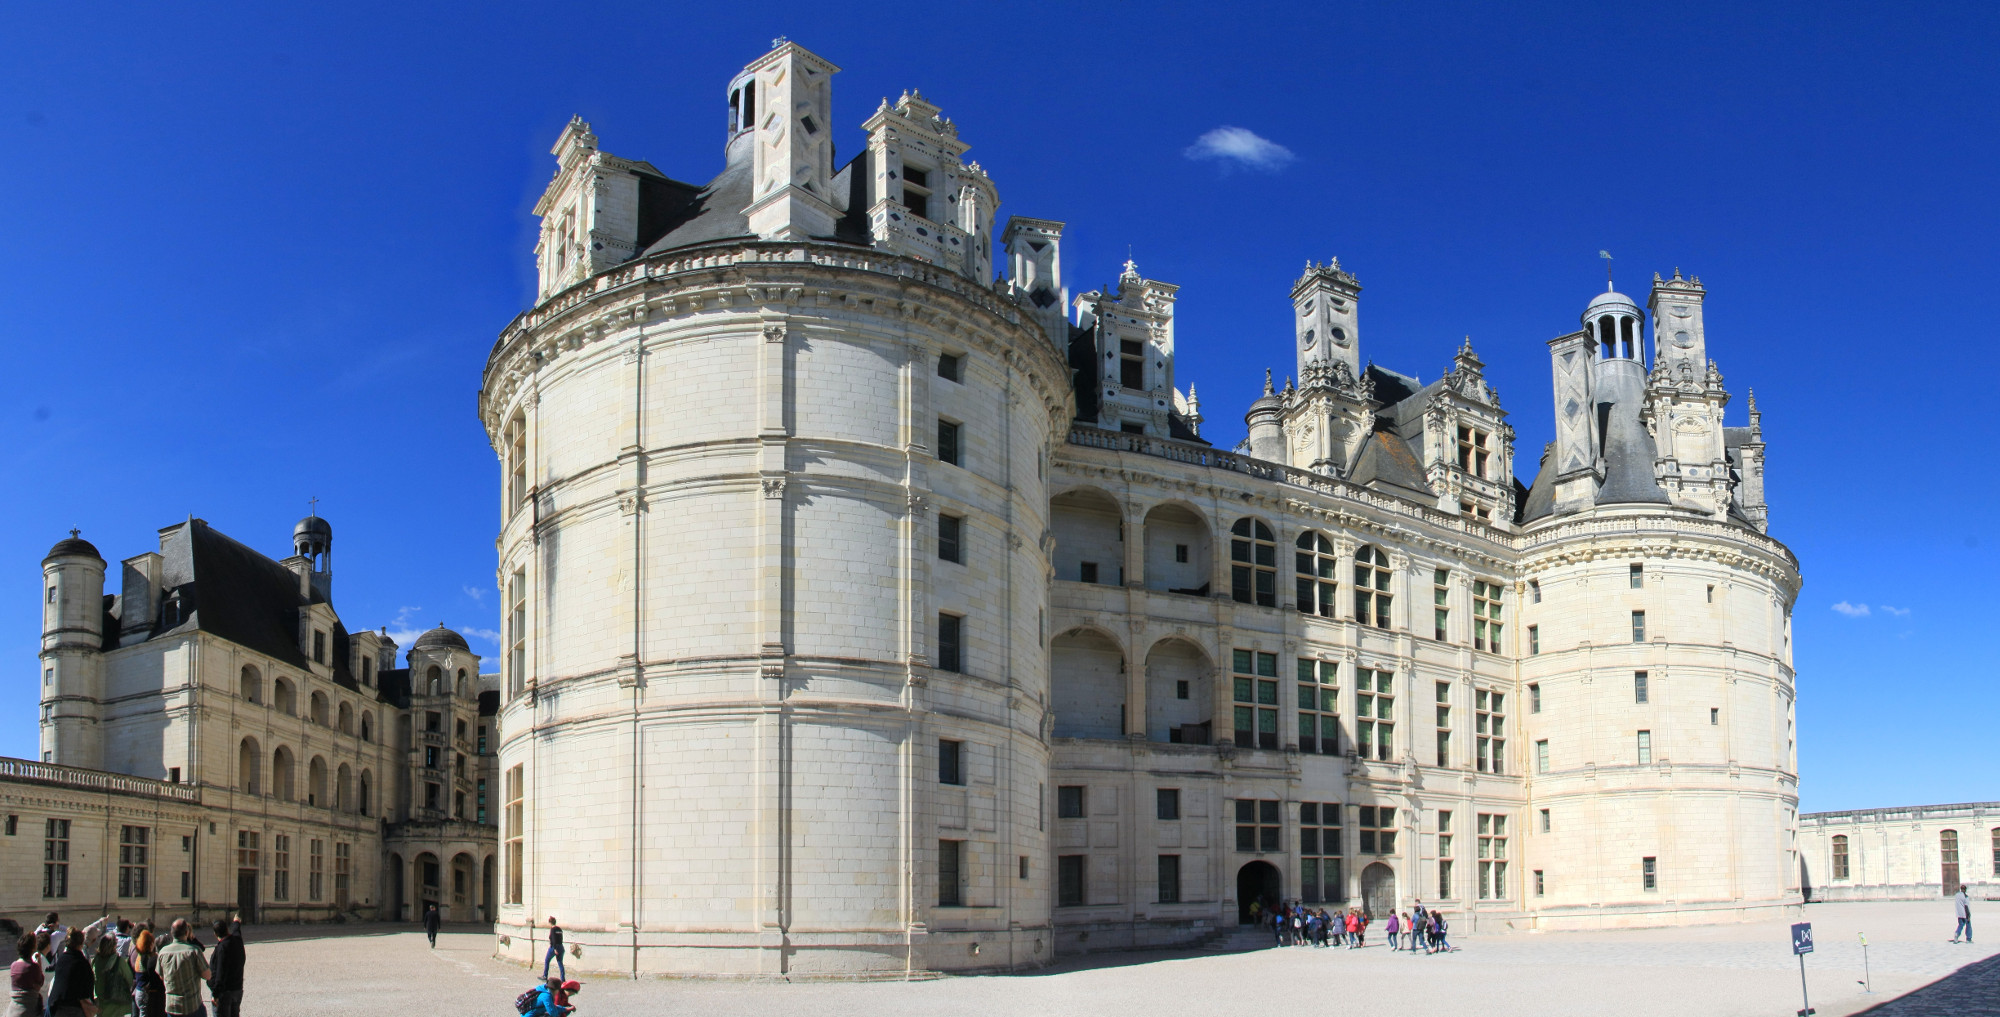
[74,533]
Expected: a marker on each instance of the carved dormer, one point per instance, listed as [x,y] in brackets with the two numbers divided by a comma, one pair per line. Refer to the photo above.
[930,204]
[1134,354]
[1468,445]
[590,212]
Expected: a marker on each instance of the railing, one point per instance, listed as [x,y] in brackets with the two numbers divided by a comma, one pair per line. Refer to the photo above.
[94,780]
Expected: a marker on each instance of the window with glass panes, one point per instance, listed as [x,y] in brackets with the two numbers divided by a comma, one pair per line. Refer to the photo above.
[1645,747]
[1485,616]
[1444,855]
[315,869]
[1169,884]
[1374,710]
[1371,587]
[1489,727]
[1319,706]
[281,867]
[1840,856]
[1255,684]
[1441,603]
[132,846]
[1319,852]
[1444,723]
[1253,572]
[1376,829]
[1313,567]
[1492,856]
[55,858]
[1258,825]
[1472,450]
[342,873]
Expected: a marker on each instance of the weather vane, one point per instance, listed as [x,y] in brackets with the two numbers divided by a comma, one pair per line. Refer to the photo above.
[1606,255]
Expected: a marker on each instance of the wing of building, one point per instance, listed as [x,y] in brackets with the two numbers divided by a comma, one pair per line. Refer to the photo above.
[215,741]
[874,605]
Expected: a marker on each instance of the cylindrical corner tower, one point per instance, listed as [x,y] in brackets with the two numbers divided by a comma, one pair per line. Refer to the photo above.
[72,641]
[775,586]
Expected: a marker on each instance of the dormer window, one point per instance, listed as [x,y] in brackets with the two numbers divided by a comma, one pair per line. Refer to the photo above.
[319,647]
[1472,450]
[1132,364]
[917,191]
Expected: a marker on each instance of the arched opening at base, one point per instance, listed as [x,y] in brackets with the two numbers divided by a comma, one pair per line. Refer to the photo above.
[1256,883]
[1378,890]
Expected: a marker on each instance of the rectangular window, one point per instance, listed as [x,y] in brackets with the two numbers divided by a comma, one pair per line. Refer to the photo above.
[1535,698]
[1638,626]
[1069,881]
[916,192]
[1377,830]
[1492,856]
[1489,727]
[55,859]
[951,367]
[1545,820]
[1472,450]
[133,843]
[1181,553]
[1259,826]
[951,856]
[1086,572]
[431,756]
[342,873]
[1319,706]
[1540,887]
[319,647]
[949,528]
[281,867]
[481,802]
[1069,802]
[1638,576]
[1131,364]
[1024,866]
[1649,874]
[1255,688]
[950,629]
[1166,803]
[187,884]
[947,442]
[1645,747]
[1486,616]
[1319,852]
[951,761]
[517,632]
[1440,602]
[315,869]
[1181,689]
[433,797]
[1715,718]
[1542,756]
[1639,687]
[1374,710]
[1443,723]
[1170,879]
[516,787]
[481,749]
[1445,855]
[1535,591]
[13,825]
[1840,857]
[1534,640]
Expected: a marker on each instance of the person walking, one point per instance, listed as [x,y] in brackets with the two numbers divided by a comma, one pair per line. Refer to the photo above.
[24,978]
[73,988]
[113,975]
[555,952]
[1444,930]
[225,962]
[1961,905]
[1393,929]
[433,919]
[183,969]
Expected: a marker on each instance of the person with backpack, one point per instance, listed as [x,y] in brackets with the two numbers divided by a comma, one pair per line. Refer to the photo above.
[540,1001]
[114,980]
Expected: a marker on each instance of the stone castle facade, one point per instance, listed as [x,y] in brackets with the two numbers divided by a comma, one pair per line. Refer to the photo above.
[865,613]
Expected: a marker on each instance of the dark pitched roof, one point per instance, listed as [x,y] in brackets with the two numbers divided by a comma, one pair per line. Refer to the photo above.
[395,686]
[715,211]
[233,592]
[1386,460]
[489,703]
[1540,499]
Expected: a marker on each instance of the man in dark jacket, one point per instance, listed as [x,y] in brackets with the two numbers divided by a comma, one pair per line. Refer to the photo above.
[225,965]
[432,920]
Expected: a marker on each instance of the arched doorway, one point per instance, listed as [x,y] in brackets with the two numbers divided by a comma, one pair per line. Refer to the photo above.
[1378,890]
[1256,882]
[430,885]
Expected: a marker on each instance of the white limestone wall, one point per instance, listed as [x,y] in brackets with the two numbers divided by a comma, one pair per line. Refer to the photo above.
[1900,853]
[729,721]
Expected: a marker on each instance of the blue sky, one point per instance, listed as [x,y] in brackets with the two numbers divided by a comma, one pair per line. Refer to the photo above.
[257,255]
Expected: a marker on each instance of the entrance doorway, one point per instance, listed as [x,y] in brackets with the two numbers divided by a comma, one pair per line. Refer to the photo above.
[1256,883]
[1948,861]
[395,888]
[246,894]
[1378,890]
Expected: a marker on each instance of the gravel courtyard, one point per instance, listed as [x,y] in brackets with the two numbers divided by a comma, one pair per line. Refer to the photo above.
[1702,972]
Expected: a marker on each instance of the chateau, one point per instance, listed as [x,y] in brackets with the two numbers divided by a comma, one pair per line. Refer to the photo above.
[873,604]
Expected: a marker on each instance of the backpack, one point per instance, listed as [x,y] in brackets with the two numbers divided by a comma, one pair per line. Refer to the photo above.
[528,1001]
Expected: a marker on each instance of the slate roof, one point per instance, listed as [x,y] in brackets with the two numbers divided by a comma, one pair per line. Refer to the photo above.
[233,592]
[714,211]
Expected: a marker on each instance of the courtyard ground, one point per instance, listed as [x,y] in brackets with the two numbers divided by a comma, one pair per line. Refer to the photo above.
[1718,971]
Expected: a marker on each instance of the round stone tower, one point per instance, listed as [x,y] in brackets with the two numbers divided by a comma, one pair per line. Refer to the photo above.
[72,644]
[773,564]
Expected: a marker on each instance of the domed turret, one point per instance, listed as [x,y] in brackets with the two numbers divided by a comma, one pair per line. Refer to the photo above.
[440,638]
[72,638]
[1617,325]
[73,546]
[312,539]
[1266,424]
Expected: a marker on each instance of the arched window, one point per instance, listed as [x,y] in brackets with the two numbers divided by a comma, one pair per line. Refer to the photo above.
[1607,345]
[1314,569]
[1627,328]
[316,782]
[346,725]
[1840,856]
[1371,587]
[368,727]
[252,685]
[435,678]
[281,774]
[343,790]
[249,759]
[283,698]
[1253,576]
[461,681]
[319,709]
[367,786]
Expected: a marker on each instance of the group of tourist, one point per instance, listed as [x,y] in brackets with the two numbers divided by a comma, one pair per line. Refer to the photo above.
[120,969]
[1295,924]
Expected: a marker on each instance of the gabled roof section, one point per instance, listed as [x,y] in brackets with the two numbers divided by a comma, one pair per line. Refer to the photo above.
[234,592]
[1385,462]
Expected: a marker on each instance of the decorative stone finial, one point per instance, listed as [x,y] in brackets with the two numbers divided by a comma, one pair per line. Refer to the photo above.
[1267,388]
[75,533]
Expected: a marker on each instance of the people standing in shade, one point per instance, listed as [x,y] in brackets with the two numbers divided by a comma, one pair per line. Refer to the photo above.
[225,964]
[183,969]
[555,952]
[73,988]
[113,975]
[1961,905]
[24,978]
[433,919]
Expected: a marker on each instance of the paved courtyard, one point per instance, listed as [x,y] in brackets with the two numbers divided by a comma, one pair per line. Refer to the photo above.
[1702,972]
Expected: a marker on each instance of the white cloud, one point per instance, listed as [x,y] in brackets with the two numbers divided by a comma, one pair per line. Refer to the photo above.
[478,595]
[1240,147]
[403,628]
[1852,610]
[489,635]
[1900,612]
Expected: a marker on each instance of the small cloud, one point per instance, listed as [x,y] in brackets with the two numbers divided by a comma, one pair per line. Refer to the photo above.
[403,628]
[1900,612]
[478,595]
[1240,147]
[489,635]
[1852,610]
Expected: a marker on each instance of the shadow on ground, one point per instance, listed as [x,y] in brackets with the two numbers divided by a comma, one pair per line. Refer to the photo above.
[1971,991]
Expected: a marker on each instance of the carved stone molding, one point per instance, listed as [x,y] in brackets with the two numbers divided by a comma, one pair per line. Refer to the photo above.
[774,486]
